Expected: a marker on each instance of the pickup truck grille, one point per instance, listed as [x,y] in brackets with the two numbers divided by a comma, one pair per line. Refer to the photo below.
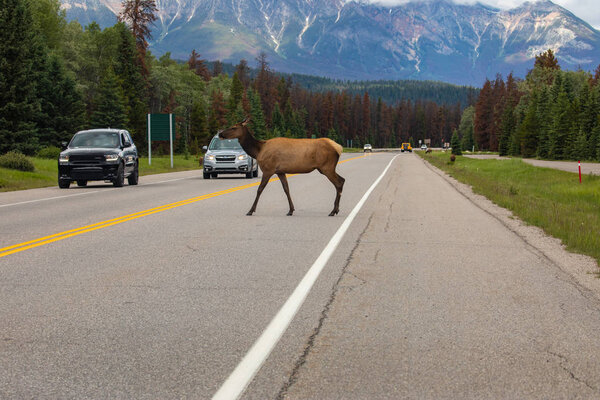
[86,159]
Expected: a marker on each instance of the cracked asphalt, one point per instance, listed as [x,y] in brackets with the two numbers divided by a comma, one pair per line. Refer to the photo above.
[432,293]
[441,299]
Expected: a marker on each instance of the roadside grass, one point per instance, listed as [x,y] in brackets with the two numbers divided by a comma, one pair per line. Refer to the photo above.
[46,171]
[550,199]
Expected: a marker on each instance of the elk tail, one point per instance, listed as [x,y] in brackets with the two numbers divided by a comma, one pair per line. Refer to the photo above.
[337,147]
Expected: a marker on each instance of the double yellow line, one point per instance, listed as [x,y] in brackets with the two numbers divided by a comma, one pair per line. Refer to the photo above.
[5,251]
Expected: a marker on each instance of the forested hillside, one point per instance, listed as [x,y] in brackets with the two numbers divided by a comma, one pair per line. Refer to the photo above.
[60,77]
[551,114]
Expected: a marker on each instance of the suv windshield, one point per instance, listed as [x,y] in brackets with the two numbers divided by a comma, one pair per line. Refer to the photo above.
[225,144]
[95,139]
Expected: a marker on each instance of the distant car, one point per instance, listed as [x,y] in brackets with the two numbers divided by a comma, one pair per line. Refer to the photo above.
[98,155]
[423,147]
[368,148]
[226,156]
[406,147]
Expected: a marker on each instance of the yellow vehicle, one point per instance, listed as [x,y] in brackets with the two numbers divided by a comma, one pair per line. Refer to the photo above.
[406,147]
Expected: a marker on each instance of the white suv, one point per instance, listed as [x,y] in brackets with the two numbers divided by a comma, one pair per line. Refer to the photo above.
[226,156]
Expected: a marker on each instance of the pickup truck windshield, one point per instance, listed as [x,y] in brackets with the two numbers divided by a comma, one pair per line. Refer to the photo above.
[95,140]
[225,144]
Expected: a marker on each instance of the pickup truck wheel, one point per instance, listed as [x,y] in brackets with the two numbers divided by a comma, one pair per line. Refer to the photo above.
[64,183]
[81,183]
[120,179]
[134,177]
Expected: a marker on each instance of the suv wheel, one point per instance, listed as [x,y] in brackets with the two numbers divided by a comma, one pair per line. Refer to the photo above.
[119,180]
[248,175]
[255,173]
[206,175]
[214,175]
[134,177]
[81,183]
[64,183]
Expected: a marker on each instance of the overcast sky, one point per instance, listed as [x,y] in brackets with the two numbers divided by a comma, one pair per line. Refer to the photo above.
[588,10]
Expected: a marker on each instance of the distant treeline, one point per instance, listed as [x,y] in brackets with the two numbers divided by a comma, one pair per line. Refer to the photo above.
[59,77]
[551,114]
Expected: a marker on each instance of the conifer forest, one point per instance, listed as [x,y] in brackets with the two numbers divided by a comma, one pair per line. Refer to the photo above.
[57,77]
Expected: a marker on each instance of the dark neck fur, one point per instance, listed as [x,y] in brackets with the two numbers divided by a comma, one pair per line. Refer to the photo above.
[250,144]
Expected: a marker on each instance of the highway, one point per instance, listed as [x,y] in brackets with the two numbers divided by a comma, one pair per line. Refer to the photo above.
[160,291]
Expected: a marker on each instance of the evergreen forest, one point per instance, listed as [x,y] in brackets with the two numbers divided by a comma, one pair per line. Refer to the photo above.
[551,114]
[57,77]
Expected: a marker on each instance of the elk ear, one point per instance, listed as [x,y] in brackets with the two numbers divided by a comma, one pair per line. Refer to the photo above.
[246,121]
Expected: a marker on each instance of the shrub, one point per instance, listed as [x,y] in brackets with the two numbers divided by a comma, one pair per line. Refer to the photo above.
[50,152]
[16,160]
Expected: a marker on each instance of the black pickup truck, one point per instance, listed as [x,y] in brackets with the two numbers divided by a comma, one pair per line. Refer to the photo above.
[98,155]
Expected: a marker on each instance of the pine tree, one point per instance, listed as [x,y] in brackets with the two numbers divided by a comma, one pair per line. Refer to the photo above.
[139,15]
[560,129]
[278,122]
[130,76]
[544,119]
[257,119]
[455,144]
[507,127]
[529,130]
[110,105]
[235,98]
[217,115]
[465,129]
[484,117]
[62,108]
[198,126]
[19,103]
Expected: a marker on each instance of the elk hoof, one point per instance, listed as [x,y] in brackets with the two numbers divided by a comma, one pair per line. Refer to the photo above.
[249,212]
[290,213]
[331,214]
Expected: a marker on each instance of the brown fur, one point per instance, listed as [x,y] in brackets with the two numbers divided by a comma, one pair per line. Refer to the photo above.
[283,156]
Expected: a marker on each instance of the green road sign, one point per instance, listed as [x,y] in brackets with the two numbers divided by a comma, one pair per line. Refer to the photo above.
[159,126]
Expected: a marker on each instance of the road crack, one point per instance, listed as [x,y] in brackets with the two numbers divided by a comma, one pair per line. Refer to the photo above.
[563,364]
[324,314]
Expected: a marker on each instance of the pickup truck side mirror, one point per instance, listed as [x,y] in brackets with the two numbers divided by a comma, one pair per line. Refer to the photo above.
[63,145]
[126,144]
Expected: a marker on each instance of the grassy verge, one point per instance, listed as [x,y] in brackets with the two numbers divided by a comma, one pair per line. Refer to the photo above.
[46,172]
[550,199]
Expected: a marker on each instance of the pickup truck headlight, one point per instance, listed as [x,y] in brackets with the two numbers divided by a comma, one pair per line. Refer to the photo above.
[111,157]
[63,159]
[243,157]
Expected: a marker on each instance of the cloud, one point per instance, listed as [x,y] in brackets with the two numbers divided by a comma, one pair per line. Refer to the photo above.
[587,10]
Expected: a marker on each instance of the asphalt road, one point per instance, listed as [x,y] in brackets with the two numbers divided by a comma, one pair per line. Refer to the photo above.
[159,291]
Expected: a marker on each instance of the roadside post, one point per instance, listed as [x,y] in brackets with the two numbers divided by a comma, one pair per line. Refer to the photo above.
[579,165]
[161,127]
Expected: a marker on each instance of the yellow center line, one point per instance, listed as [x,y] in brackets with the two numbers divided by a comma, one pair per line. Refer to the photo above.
[5,251]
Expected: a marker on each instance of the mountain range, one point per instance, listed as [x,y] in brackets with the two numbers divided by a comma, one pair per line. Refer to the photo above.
[355,39]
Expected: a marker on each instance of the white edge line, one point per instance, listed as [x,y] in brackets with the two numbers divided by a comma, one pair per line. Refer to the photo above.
[81,194]
[245,371]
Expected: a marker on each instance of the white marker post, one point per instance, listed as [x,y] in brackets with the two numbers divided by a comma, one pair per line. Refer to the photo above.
[149,143]
[171,136]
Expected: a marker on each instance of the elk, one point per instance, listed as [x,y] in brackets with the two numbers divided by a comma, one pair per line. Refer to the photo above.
[283,156]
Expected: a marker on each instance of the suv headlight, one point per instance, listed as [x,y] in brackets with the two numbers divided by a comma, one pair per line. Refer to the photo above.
[210,157]
[243,157]
[63,159]
[111,157]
